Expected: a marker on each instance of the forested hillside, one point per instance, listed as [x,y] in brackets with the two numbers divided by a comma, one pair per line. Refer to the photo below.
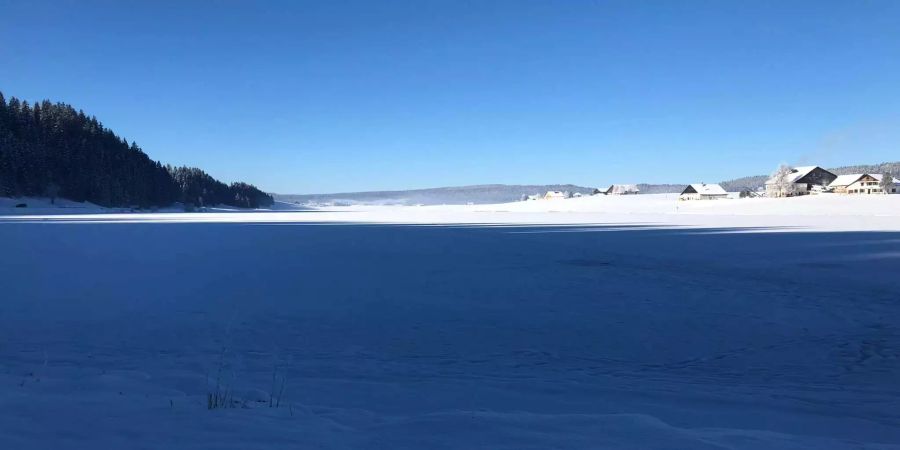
[50,149]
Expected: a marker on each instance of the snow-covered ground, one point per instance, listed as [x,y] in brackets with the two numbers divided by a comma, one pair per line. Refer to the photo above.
[38,205]
[823,212]
[601,322]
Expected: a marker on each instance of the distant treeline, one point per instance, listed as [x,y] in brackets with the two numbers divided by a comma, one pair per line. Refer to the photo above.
[50,149]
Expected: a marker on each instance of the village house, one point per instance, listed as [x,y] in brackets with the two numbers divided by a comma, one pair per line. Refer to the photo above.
[703,191]
[622,189]
[802,181]
[551,195]
[861,183]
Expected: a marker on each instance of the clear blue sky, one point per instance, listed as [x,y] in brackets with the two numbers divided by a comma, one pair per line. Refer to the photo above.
[302,97]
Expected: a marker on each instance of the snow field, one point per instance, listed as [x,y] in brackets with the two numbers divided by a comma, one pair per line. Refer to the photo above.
[605,324]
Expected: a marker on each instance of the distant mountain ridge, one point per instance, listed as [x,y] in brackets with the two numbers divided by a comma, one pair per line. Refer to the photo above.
[481,194]
[454,195]
[504,193]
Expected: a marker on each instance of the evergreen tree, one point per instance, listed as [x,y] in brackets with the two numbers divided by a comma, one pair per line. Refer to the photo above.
[52,149]
[887,183]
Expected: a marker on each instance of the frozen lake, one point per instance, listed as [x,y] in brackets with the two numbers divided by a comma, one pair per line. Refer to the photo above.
[608,333]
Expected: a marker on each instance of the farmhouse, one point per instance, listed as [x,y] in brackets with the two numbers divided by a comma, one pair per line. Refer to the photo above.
[703,191]
[861,183]
[622,189]
[550,195]
[802,181]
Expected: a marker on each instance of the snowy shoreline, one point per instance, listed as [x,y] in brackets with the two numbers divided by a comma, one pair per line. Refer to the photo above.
[824,212]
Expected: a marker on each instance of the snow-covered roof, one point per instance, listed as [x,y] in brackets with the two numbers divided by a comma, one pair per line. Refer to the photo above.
[796,174]
[708,189]
[802,171]
[847,180]
[622,189]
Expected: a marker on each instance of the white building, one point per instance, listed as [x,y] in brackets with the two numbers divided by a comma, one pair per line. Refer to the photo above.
[551,195]
[801,181]
[703,191]
[861,183]
[622,189]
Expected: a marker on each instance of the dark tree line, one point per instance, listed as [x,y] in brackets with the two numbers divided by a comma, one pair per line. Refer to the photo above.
[196,187]
[50,149]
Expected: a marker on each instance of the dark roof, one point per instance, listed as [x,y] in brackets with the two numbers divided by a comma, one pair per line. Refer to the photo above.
[817,175]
